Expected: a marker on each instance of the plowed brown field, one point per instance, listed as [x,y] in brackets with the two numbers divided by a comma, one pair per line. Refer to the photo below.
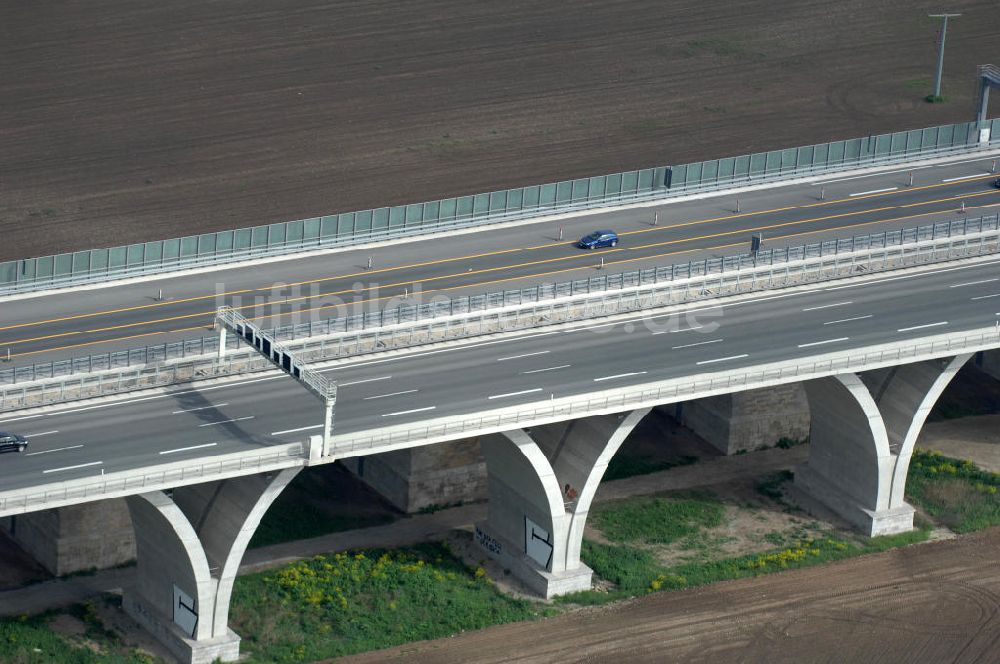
[129,120]
[933,603]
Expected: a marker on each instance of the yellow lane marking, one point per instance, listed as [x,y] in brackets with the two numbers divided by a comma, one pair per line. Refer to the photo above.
[498,269]
[442,261]
[493,281]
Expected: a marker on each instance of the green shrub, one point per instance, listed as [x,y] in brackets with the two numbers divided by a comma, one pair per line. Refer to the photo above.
[956,492]
[335,605]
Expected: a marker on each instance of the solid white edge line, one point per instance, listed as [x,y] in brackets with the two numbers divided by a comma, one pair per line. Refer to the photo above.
[902,170]
[827,341]
[974,283]
[875,282]
[873,191]
[686,329]
[624,375]
[435,352]
[966,177]
[534,371]
[848,320]
[192,410]
[391,394]
[700,343]
[235,419]
[82,465]
[514,394]
[920,327]
[407,412]
[723,359]
[278,433]
[875,175]
[366,380]
[188,449]
[828,306]
[152,397]
[518,357]
[60,449]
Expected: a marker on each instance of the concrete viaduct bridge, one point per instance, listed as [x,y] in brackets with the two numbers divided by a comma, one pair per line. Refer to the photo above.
[862,333]
[901,337]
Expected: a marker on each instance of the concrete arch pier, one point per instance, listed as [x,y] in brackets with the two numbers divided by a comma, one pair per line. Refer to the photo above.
[188,549]
[863,429]
[541,483]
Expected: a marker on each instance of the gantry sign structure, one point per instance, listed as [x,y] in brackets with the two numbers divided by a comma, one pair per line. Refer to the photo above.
[323,388]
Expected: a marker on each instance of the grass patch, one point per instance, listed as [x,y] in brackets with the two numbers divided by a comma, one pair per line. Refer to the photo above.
[635,572]
[33,640]
[623,465]
[335,605]
[958,493]
[771,486]
[658,520]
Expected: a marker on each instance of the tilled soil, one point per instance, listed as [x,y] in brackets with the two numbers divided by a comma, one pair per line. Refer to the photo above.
[132,120]
[932,603]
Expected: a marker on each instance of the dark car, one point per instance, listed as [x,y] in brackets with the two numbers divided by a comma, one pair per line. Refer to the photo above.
[598,239]
[996,183]
[11,442]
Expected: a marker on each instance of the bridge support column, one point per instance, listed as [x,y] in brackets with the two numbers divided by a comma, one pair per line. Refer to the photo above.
[748,420]
[862,438]
[541,484]
[189,549]
[989,361]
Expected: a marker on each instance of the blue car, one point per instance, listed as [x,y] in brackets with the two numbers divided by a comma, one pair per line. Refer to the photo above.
[598,239]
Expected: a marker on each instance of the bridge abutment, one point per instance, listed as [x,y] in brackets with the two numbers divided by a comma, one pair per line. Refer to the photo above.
[76,537]
[541,484]
[419,477]
[189,548]
[745,421]
[862,436]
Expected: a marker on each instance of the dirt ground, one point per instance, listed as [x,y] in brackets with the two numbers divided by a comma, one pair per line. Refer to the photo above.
[931,603]
[126,121]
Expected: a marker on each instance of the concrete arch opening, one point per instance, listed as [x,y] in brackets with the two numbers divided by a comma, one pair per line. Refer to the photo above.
[541,484]
[862,434]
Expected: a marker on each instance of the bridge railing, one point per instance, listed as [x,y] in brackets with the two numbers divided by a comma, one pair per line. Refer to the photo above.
[530,414]
[611,299]
[164,477]
[662,392]
[387,223]
[318,334]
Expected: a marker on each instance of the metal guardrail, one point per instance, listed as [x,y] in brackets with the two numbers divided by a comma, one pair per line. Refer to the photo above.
[606,302]
[293,335]
[610,401]
[387,223]
[177,475]
[661,392]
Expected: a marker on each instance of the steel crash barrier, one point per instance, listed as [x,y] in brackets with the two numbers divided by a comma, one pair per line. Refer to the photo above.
[386,223]
[552,304]
[907,240]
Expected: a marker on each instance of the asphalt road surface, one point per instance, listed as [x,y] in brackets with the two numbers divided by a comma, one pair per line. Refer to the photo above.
[481,375]
[81,322]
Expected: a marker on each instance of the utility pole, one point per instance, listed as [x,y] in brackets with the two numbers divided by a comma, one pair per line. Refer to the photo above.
[940,63]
